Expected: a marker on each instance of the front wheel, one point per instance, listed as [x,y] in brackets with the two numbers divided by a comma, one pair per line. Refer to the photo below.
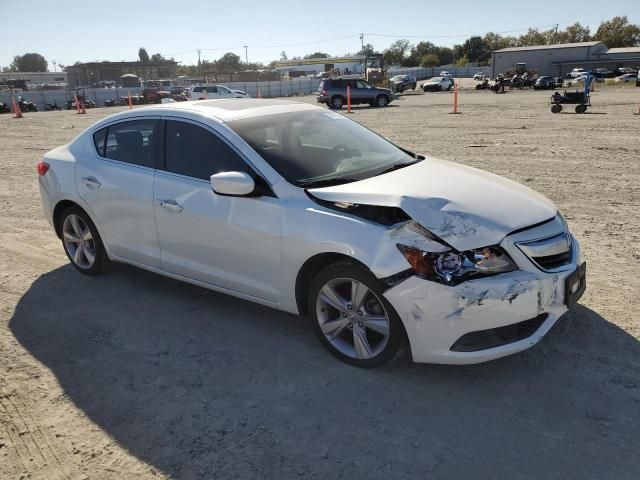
[352,318]
[581,108]
[556,108]
[81,241]
[382,101]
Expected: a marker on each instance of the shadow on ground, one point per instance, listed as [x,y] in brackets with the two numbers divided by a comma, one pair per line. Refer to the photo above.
[199,384]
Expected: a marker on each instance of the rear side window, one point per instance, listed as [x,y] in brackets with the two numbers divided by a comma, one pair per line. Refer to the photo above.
[197,89]
[212,89]
[99,140]
[133,142]
[195,152]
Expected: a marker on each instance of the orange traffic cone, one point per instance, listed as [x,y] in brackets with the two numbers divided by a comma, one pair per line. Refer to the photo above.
[75,99]
[16,108]
[82,109]
[130,104]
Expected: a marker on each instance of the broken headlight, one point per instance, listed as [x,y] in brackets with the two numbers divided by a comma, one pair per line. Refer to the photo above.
[452,267]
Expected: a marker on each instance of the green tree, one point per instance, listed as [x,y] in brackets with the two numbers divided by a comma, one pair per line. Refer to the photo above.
[618,32]
[535,37]
[228,63]
[156,57]
[283,56]
[143,55]
[445,54]
[429,60]
[496,41]
[463,61]
[317,55]
[395,54]
[476,49]
[367,50]
[573,34]
[29,62]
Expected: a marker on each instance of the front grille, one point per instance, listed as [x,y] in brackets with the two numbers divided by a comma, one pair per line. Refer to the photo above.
[549,253]
[496,337]
[551,262]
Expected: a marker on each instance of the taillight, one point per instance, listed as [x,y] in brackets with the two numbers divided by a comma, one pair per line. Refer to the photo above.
[323,93]
[43,167]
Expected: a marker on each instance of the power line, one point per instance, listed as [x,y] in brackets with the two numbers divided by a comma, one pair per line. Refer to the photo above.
[457,35]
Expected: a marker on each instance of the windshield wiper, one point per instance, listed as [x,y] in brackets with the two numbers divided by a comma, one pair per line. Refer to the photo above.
[397,166]
[327,182]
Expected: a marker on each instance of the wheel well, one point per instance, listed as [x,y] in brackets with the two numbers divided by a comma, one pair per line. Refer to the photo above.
[57,211]
[311,268]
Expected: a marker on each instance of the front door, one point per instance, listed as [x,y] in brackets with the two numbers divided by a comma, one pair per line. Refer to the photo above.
[116,178]
[230,242]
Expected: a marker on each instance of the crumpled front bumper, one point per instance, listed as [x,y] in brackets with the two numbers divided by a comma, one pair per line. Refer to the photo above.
[435,316]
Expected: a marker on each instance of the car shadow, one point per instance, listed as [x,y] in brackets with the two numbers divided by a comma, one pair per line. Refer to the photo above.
[203,385]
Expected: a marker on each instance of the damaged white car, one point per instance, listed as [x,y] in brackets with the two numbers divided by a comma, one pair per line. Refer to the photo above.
[301,209]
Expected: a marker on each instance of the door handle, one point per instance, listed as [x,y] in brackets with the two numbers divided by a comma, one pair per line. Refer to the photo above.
[171,206]
[91,182]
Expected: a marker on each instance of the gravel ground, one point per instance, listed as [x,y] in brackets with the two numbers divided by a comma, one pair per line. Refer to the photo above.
[132,375]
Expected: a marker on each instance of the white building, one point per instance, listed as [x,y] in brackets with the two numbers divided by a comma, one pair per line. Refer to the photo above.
[35,78]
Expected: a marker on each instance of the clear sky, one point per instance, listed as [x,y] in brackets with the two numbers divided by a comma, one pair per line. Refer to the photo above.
[69,31]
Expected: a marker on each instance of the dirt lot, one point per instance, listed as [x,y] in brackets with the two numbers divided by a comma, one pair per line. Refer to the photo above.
[131,375]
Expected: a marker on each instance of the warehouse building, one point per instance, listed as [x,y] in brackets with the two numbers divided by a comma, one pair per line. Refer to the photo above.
[558,60]
[93,73]
[34,77]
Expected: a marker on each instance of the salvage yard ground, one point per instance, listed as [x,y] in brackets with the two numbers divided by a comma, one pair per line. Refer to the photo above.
[132,375]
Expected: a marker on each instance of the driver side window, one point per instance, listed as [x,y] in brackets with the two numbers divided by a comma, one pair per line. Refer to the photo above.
[196,152]
[361,84]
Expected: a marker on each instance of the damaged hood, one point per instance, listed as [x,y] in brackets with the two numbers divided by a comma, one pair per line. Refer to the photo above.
[466,207]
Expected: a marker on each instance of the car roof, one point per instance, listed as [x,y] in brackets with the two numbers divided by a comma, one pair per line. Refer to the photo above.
[221,110]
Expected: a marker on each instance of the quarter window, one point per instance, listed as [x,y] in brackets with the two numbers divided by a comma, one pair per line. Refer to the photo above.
[99,139]
[195,152]
[132,142]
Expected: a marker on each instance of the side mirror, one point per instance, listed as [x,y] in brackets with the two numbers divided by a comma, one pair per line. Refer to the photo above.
[232,183]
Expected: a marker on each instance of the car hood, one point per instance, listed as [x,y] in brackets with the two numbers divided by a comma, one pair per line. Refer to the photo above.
[466,207]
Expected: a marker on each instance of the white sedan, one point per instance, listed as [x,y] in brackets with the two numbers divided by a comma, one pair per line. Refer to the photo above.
[212,92]
[437,84]
[627,77]
[292,206]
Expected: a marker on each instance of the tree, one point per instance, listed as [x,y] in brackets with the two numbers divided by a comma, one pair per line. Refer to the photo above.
[394,55]
[29,62]
[156,57]
[462,61]
[535,37]
[430,60]
[445,54]
[228,63]
[143,55]
[317,55]
[573,34]
[283,56]
[618,32]
[476,49]
[367,50]
[496,41]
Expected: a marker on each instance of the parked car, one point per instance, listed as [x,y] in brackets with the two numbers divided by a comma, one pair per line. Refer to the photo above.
[437,84]
[638,80]
[544,83]
[304,210]
[400,83]
[480,77]
[577,72]
[444,73]
[333,93]
[211,92]
[627,77]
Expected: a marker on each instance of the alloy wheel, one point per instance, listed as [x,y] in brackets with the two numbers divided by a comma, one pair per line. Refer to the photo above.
[352,318]
[78,241]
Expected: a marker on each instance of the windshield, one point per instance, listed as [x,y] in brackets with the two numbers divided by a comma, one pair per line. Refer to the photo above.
[436,79]
[319,147]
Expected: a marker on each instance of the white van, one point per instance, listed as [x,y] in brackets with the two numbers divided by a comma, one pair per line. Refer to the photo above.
[211,92]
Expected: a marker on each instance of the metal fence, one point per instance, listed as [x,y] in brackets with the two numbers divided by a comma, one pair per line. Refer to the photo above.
[422,73]
[283,88]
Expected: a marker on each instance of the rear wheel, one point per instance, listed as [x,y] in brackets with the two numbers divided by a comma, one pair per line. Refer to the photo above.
[81,241]
[556,108]
[581,108]
[337,102]
[352,318]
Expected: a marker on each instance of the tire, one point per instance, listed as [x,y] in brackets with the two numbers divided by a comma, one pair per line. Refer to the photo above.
[556,108]
[413,87]
[74,227]
[581,108]
[382,101]
[337,102]
[366,335]
[439,88]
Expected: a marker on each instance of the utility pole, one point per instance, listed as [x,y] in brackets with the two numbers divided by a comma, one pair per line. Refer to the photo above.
[555,39]
[361,42]
[199,64]
[246,55]
[54,65]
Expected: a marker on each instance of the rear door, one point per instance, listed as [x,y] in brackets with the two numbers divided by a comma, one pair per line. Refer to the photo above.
[116,180]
